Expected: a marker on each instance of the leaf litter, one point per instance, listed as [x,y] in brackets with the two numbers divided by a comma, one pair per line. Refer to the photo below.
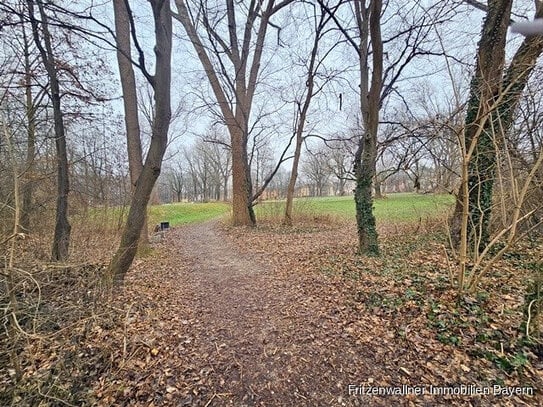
[277,316]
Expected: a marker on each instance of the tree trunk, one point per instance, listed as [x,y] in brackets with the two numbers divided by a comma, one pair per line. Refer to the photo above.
[366,153]
[310,84]
[364,172]
[287,220]
[161,83]
[242,189]
[225,187]
[485,89]
[518,73]
[28,186]
[416,184]
[130,100]
[377,188]
[61,238]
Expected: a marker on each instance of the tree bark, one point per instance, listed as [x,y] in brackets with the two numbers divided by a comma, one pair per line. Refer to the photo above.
[161,83]
[488,84]
[130,100]
[368,20]
[287,220]
[518,73]
[61,238]
[242,187]
[377,187]
[225,187]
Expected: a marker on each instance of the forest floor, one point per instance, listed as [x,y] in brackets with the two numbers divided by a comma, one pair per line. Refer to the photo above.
[277,316]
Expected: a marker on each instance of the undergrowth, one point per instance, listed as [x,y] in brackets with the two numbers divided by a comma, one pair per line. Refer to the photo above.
[57,342]
[410,282]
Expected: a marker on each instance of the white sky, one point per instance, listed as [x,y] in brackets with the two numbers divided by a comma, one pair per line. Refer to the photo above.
[426,78]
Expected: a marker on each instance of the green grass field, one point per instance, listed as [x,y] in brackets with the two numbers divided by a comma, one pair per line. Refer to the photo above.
[395,208]
[404,207]
[183,213]
[176,213]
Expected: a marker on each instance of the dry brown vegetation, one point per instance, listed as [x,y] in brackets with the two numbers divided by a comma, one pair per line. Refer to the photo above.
[272,316]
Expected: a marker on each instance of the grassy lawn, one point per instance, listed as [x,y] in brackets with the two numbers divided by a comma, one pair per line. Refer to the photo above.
[395,208]
[183,213]
[404,207]
[175,213]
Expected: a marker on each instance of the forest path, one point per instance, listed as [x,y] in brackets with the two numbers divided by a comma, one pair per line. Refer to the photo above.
[237,298]
[221,316]
[231,328]
[230,286]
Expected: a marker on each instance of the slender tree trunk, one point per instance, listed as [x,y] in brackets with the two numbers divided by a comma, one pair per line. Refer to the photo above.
[378,189]
[13,329]
[302,116]
[161,83]
[291,189]
[225,188]
[416,184]
[287,220]
[61,238]
[28,186]
[130,100]
[342,187]
[299,135]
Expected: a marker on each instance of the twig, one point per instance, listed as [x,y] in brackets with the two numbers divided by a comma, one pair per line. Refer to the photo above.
[55,398]
[211,399]
[7,239]
[125,330]
[529,318]
[449,267]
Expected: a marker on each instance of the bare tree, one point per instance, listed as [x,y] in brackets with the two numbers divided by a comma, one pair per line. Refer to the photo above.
[123,17]
[221,157]
[368,18]
[176,181]
[340,163]
[31,92]
[220,161]
[317,171]
[40,30]
[31,107]
[302,108]
[232,66]
[161,84]
[376,82]
[261,161]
